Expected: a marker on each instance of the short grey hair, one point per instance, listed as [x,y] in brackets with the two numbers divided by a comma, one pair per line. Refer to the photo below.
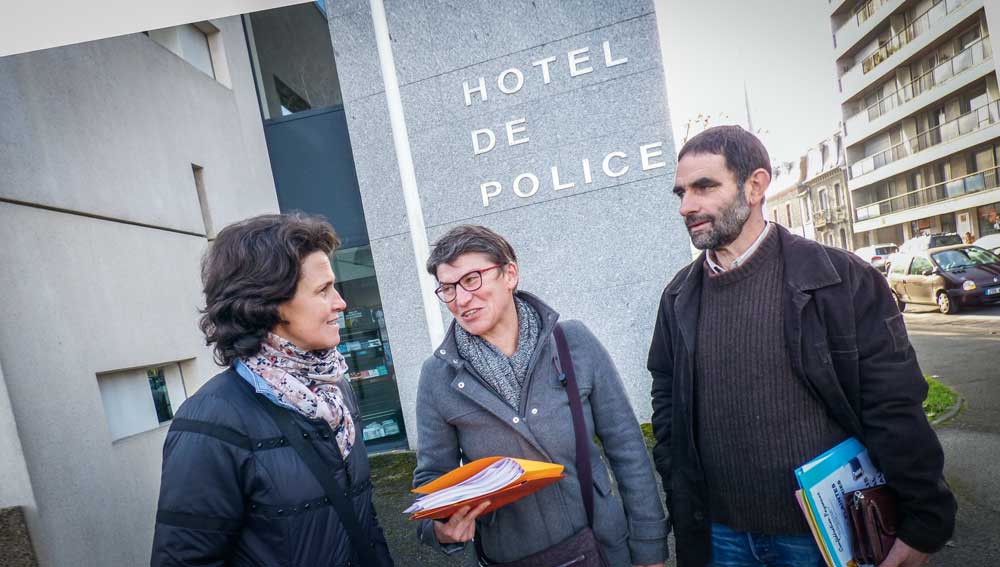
[470,238]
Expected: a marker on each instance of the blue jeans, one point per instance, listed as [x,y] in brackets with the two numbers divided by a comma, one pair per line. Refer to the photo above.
[731,548]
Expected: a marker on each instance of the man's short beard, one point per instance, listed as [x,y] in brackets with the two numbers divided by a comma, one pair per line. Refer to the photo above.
[724,230]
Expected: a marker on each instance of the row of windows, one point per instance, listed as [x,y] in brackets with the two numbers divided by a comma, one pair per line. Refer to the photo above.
[806,205]
[923,74]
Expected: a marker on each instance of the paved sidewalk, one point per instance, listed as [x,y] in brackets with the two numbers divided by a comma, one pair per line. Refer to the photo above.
[964,351]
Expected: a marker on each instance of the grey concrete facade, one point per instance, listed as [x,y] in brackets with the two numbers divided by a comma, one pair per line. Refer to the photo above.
[102,233]
[600,250]
[15,490]
[103,224]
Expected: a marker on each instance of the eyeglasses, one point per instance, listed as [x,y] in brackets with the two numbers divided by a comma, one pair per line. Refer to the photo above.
[471,281]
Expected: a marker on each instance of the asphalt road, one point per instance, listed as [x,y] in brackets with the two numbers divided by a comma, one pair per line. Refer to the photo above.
[963,350]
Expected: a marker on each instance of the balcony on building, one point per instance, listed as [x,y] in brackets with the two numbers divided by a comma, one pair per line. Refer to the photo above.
[941,71]
[961,122]
[825,218]
[838,6]
[896,41]
[961,181]
[855,24]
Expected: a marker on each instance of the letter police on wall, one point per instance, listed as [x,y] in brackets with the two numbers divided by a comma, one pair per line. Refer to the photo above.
[614,164]
[515,132]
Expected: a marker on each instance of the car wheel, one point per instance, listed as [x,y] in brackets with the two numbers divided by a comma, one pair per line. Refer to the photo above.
[900,304]
[945,304]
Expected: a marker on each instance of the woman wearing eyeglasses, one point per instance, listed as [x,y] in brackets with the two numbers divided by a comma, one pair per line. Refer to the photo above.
[494,388]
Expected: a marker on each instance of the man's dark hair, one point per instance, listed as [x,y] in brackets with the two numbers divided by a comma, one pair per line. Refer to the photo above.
[744,153]
[470,238]
[251,268]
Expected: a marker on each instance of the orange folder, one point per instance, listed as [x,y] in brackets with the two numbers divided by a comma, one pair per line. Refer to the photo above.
[537,475]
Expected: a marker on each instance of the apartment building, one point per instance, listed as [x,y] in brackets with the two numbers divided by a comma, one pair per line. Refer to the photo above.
[921,110]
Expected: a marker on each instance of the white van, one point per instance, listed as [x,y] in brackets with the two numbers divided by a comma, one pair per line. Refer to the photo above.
[877,255]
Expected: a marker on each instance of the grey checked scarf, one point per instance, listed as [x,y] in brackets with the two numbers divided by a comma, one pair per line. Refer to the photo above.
[505,374]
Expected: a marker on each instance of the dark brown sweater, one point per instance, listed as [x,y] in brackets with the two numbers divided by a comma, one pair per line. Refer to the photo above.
[756,421]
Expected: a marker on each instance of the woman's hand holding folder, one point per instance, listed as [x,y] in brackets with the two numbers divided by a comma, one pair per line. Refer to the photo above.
[461,526]
[500,480]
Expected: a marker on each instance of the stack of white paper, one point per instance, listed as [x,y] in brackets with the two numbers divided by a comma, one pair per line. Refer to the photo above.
[492,478]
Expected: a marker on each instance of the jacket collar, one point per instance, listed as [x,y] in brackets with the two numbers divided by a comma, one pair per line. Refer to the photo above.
[807,263]
[479,393]
[448,349]
[807,266]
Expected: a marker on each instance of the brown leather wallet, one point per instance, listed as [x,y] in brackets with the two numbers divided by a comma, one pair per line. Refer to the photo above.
[873,522]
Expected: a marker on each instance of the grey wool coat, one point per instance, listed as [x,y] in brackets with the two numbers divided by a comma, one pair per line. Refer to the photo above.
[460,419]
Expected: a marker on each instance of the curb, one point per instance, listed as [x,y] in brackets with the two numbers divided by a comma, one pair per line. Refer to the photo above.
[952,412]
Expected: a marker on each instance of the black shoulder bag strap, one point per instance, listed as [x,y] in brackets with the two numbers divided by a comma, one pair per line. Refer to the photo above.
[583,471]
[331,487]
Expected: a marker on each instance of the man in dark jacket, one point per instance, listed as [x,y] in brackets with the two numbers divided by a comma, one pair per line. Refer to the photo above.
[768,350]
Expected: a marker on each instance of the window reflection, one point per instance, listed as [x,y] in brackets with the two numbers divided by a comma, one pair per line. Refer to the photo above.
[364,342]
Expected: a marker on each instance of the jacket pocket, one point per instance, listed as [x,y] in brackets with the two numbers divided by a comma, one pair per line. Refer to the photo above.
[610,523]
[843,347]
[602,482]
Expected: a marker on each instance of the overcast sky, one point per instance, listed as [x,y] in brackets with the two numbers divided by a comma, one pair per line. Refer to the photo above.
[782,49]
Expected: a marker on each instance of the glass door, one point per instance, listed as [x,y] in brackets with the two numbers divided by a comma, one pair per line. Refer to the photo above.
[365,344]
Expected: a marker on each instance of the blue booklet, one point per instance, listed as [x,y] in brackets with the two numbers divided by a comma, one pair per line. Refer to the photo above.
[824,482]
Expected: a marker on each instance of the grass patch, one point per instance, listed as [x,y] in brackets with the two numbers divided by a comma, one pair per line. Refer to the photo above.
[940,398]
[395,468]
[647,434]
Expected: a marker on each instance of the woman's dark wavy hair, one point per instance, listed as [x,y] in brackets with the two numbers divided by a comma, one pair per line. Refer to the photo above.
[250,269]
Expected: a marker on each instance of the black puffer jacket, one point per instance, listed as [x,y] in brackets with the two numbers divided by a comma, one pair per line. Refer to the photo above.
[234,493]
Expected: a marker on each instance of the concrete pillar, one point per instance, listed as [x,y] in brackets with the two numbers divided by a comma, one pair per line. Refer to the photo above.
[575,99]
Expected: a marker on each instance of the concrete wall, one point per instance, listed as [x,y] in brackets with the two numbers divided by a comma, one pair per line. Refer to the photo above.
[306,65]
[101,235]
[599,251]
[15,490]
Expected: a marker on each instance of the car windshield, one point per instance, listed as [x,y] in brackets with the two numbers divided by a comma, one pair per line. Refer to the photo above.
[885,250]
[964,258]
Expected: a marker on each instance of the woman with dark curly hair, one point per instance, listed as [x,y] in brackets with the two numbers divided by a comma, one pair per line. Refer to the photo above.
[265,465]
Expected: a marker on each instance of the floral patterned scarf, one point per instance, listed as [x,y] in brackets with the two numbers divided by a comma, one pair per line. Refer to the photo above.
[310,382]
